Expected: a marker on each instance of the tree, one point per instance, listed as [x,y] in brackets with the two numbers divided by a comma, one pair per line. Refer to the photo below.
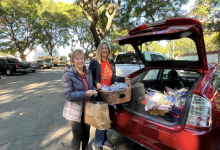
[55,21]
[100,16]
[81,33]
[136,12]
[19,26]
[114,33]
[208,13]
[211,43]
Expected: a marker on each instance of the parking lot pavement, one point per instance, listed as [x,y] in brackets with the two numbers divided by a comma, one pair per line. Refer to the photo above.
[31,114]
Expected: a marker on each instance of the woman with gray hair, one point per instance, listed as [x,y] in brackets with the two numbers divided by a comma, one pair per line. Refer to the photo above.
[103,72]
[78,88]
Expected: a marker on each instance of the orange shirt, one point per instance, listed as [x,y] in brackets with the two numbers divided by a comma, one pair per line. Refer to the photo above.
[106,73]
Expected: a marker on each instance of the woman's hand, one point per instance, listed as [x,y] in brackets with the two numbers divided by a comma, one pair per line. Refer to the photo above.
[127,80]
[90,93]
[98,86]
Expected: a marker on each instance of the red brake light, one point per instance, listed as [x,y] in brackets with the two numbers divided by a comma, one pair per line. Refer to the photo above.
[16,65]
[130,52]
[200,113]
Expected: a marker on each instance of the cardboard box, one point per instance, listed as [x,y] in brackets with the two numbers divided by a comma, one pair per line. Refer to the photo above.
[157,112]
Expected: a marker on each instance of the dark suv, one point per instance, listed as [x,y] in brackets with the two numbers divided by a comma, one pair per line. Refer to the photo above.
[10,65]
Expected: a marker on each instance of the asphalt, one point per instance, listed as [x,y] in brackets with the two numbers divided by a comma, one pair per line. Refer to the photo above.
[31,114]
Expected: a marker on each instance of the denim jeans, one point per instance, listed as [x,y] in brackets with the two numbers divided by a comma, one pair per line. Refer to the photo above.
[100,137]
[80,134]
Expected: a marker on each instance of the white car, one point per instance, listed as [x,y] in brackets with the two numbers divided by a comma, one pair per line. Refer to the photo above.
[87,63]
[128,62]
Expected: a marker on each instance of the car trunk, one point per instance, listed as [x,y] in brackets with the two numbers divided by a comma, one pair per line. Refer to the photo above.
[140,98]
[179,30]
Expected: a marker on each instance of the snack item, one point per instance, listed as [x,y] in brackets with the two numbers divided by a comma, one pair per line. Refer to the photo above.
[115,87]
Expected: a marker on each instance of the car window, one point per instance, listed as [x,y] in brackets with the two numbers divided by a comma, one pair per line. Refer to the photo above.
[156,57]
[153,57]
[160,57]
[87,62]
[12,60]
[216,80]
[151,75]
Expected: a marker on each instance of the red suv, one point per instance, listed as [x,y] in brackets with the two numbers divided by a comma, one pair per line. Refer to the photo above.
[198,123]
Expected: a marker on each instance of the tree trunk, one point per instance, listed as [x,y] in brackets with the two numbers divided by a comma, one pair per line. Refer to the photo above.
[50,52]
[23,56]
[95,34]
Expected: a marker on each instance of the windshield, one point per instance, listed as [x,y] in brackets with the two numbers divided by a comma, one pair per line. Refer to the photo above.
[178,49]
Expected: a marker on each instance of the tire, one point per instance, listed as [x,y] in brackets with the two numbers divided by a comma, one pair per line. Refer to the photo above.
[41,67]
[33,71]
[8,71]
[24,73]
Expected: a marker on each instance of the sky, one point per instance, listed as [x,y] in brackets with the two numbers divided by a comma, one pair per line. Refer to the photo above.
[66,51]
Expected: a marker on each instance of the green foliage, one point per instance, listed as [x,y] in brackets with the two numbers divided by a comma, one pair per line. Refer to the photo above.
[211,42]
[136,12]
[55,22]
[114,34]
[5,53]
[207,12]
[19,25]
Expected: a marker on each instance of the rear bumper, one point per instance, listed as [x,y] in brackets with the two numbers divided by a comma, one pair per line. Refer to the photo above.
[156,136]
[47,66]
[21,70]
[32,69]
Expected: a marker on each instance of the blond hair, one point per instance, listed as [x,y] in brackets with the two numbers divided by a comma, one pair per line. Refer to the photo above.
[99,53]
[76,53]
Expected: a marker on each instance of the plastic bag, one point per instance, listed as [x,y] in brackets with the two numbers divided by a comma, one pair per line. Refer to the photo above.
[170,91]
[182,91]
[115,87]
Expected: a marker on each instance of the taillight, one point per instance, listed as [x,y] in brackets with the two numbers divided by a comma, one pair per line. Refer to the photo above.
[200,113]
[16,65]
[130,52]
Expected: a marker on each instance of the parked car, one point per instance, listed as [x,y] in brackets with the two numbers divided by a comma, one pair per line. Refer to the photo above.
[43,64]
[128,62]
[10,65]
[197,125]
[32,66]
[87,62]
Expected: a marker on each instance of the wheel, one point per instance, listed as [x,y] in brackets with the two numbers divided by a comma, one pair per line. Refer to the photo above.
[24,73]
[33,71]
[8,72]
[41,67]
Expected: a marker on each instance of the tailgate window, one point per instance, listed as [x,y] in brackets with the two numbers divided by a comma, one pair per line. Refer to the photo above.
[177,49]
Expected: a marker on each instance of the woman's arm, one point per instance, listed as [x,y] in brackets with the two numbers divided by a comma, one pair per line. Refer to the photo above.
[68,92]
